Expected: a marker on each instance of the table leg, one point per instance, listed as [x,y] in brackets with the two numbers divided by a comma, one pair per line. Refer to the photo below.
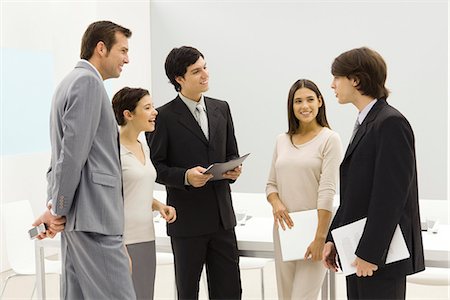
[325,284]
[40,270]
[332,285]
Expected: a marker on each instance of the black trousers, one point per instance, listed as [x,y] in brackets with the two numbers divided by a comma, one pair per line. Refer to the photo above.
[375,287]
[218,251]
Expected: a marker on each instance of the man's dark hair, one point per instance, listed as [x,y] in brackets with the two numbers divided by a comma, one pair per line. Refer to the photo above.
[365,66]
[100,31]
[177,62]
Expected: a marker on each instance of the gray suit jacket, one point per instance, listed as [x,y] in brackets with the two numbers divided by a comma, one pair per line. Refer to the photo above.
[84,179]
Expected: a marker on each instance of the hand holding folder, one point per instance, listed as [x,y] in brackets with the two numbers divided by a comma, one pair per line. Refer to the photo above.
[295,241]
[346,239]
[218,169]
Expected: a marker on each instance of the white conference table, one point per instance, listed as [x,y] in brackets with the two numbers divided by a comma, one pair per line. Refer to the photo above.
[255,240]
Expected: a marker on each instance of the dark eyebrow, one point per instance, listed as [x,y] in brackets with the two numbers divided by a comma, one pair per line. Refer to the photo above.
[306,98]
[196,69]
[201,67]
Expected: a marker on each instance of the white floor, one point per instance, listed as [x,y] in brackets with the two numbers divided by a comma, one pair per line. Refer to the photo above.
[21,287]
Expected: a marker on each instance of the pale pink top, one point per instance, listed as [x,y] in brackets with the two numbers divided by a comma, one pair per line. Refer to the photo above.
[305,176]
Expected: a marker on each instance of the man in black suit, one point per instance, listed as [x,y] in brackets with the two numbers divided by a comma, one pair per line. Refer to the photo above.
[378,180]
[192,132]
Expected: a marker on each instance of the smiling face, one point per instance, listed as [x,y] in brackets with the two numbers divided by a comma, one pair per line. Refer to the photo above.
[306,105]
[144,115]
[112,61]
[195,81]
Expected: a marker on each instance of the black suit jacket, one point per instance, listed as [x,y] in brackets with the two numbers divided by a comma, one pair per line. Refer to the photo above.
[378,180]
[178,144]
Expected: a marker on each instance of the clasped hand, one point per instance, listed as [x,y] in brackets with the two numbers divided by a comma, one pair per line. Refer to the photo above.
[53,223]
[168,213]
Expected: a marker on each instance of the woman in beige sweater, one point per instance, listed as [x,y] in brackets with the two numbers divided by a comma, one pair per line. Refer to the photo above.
[303,176]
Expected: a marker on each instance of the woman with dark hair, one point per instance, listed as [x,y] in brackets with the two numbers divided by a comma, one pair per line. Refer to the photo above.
[135,113]
[303,176]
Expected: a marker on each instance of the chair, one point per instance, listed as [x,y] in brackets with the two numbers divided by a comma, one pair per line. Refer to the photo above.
[431,276]
[247,263]
[17,218]
[251,263]
[163,258]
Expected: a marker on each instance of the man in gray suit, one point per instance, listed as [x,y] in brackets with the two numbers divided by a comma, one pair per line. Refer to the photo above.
[84,179]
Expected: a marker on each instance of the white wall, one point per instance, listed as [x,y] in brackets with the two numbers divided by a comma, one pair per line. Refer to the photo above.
[255,50]
[40,44]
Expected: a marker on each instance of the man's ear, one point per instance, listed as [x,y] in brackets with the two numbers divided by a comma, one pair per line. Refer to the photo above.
[179,79]
[355,81]
[101,48]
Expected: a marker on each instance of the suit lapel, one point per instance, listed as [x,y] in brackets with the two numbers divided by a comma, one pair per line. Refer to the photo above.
[187,120]
[363,127]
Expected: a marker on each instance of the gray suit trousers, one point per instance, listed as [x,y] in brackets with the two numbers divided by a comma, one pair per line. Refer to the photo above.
[95,266]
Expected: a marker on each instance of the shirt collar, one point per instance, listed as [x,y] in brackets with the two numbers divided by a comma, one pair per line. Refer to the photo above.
[363,114]
[88,62]
[191,104]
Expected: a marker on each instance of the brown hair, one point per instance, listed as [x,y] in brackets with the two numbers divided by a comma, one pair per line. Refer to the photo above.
[100,31]
[126,99]
[365,66]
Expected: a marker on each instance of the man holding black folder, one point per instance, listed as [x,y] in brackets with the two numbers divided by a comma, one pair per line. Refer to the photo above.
[378,180]
[192,132]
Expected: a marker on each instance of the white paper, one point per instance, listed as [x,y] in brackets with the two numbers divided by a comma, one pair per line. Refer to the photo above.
[346,239]
[296,240]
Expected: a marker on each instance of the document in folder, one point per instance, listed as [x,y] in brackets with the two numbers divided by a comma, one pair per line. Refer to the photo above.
[296,240]
[346,239]
[218,169]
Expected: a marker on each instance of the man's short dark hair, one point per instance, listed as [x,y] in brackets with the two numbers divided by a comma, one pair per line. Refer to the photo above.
[177,62]
[104,31]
